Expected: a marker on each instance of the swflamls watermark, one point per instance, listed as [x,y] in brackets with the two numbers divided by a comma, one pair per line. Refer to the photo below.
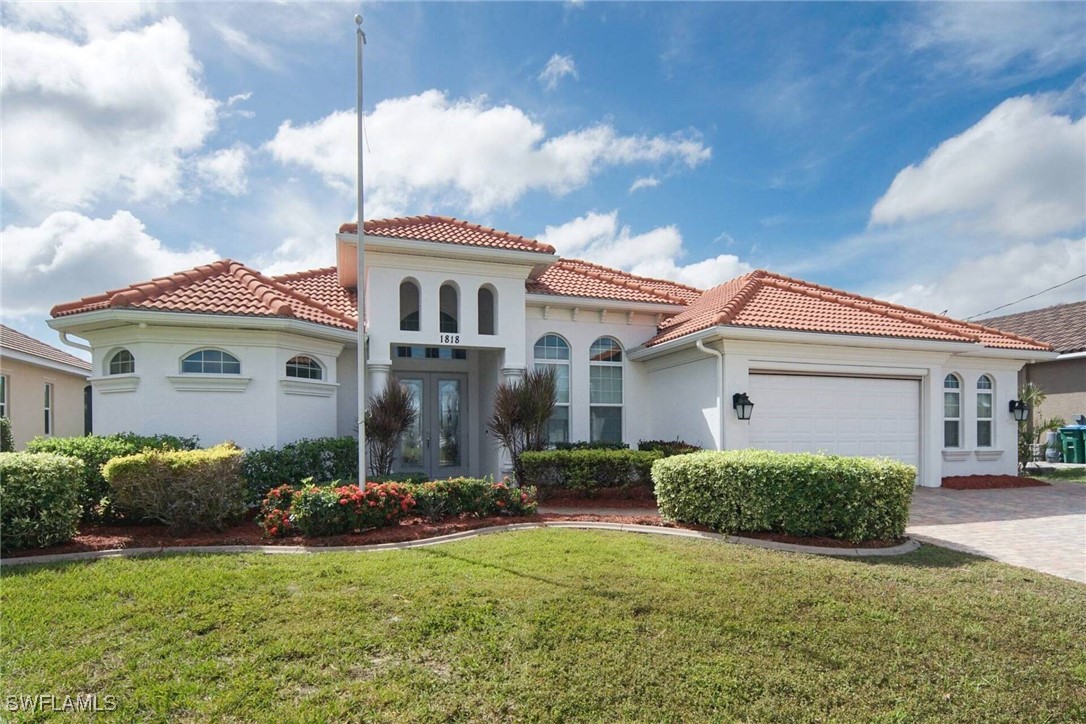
[58,703]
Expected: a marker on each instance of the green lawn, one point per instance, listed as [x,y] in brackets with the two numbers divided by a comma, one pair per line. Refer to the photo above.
[1066,475]
[552,625]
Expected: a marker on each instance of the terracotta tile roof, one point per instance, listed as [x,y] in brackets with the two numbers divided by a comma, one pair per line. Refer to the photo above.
[765,300]
[222,287]
[323,285]
[1063,326]
[447,230]
[19,342]
[576,278]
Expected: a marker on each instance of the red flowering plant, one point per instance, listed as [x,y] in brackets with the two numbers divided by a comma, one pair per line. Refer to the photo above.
[274,515]
[509,500]
[337,509]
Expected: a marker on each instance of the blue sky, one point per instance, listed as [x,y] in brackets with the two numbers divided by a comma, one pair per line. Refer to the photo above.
[931,154]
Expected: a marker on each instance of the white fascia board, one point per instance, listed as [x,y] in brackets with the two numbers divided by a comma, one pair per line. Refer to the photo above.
[755,334]
[445,249]
[103,318]
[569,302]
[1071,355]
[1024,355]
[47,363]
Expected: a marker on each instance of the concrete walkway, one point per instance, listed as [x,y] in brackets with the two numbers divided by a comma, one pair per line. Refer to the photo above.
[1042,528]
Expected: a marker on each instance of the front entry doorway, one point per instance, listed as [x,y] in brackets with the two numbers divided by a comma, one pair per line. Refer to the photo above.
[436,444]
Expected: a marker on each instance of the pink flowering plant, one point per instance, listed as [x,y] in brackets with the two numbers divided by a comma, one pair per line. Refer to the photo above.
[337,509]
[274,515]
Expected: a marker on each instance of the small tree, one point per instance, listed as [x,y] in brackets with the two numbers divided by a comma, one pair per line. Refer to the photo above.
[521,413]
[390,414]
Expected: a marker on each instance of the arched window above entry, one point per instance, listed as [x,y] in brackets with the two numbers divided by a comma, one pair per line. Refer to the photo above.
[121,363]
[605,390]
[487,310]
[409,305]
[304,367]
[952,411]
[210,362]
[449,301]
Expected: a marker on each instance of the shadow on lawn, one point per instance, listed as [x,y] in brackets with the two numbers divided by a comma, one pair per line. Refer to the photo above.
[928,556]
[593,590]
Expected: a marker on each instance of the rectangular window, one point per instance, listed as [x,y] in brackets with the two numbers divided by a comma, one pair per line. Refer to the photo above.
[605,400]
[48,408]
[558,425]
[3,395]
[952,433]
[419,352]
[984,419]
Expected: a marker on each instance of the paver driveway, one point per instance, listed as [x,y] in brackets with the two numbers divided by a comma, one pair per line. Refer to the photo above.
[1042,528]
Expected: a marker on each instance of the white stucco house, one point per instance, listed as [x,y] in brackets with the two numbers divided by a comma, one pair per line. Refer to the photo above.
[225,352]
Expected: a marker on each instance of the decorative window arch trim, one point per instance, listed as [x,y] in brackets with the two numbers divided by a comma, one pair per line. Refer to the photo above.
[307,388]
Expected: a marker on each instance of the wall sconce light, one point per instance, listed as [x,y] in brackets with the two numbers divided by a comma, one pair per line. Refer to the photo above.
[1019,409]
[743,406]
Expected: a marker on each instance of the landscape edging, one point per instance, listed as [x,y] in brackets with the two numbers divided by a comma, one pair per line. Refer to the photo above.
[907,547]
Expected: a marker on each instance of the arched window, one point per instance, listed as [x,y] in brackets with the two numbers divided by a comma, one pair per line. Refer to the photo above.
[551,351]
[985,391]
[486,310]
[605,390]
[121,363]
[211,362]
[409,305]
[952,411]
[305,368]
[449,302]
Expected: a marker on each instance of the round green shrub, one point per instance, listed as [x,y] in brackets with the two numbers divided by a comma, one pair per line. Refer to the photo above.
[39,499]
[747,491]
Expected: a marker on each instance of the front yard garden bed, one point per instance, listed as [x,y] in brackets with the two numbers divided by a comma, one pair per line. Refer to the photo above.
[990,482]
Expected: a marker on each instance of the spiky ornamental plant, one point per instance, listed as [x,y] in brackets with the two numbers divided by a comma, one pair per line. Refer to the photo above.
[390,414]
[521,413]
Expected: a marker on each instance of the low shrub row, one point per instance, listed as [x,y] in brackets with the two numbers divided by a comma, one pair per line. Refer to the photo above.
[668,447]
[39,499]
[185,489]
[800,494]
[96,500]
[585,445]
[589,469]
[324,458]
[334,509]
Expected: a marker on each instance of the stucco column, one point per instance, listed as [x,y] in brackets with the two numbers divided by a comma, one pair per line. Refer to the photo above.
[511,376]
[377,374]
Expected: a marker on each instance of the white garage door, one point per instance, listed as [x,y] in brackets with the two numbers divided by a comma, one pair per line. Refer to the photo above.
[836,415]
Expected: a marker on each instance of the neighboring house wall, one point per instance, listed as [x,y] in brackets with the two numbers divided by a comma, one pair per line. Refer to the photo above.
[1064,384]
[26,400]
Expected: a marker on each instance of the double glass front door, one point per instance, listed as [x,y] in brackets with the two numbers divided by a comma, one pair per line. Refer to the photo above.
[435,444]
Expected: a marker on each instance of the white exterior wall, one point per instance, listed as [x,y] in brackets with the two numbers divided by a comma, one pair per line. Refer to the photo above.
[683,399]
[1002,457]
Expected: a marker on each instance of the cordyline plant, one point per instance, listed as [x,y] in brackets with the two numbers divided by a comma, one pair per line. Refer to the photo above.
[389,416]
[521,412]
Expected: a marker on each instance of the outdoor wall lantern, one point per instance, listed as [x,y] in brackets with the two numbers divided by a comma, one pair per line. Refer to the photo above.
[1019,409]
[742,404]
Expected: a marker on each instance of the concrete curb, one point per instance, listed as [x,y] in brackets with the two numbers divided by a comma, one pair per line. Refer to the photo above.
[907,547]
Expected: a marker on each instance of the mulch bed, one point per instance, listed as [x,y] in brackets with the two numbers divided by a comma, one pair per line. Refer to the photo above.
[990,482]
[639,496]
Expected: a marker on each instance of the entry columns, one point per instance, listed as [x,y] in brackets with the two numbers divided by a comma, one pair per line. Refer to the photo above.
[378,378]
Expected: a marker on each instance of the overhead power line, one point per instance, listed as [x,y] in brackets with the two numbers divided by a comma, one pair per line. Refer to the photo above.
[1031,296]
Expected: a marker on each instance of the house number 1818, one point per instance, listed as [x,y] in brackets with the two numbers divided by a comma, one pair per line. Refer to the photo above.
[448,339]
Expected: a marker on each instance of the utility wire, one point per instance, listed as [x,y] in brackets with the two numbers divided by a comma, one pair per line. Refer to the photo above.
[1031,296]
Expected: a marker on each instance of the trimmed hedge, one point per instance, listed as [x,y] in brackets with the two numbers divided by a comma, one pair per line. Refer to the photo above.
[185,489]
[323,458]
[668,447]
[39,499]
[585,445]
[471,496]
[588,470]
[95,451]
[746,491]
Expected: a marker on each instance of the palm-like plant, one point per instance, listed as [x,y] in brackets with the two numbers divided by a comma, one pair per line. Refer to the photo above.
[521,413]
[390,414]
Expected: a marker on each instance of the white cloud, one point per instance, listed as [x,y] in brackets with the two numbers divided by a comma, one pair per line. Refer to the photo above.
[81,19]
[645,182]
[976,285]
[301,224]
[656,253]
[1019,172]
[225,170]
[987,38]
[427,151]
[247,47]
[69,256]
[119,113]
[557,68]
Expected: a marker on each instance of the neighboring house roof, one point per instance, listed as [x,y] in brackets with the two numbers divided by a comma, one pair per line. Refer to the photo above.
[1063,326]
[222,287]
[447,230]
[766,300]
[575,278]
[16,341]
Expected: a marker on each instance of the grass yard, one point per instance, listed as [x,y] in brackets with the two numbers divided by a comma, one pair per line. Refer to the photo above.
[1066,475]
[551,625]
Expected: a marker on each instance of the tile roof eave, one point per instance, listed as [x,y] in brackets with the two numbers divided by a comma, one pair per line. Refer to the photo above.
[74,320]
[543,297]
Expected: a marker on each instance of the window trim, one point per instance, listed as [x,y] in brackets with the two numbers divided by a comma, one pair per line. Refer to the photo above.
[956,391]
[538,362]
[990,419]
[621,365]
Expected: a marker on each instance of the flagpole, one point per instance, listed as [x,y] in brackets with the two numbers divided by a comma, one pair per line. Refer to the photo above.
[360,286]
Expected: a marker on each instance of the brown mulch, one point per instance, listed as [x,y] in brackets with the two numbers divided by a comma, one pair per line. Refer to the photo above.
[990,482]
[639,496]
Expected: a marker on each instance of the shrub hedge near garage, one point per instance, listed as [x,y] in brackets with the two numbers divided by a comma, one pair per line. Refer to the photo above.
[800,494]
[94,451]
[185,489]
[39,499]
[588,470]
